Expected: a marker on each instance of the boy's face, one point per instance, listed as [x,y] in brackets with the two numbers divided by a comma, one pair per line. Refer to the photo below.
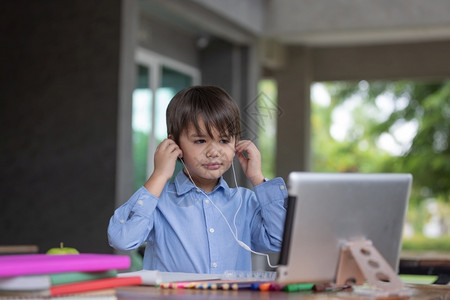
[206,158]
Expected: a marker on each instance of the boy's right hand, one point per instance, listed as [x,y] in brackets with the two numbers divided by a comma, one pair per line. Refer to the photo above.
[166,155]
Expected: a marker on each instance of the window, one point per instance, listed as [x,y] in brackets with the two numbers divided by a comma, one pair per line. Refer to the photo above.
[158,80]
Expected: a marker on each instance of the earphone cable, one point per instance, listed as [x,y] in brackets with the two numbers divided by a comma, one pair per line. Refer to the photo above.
[235,236]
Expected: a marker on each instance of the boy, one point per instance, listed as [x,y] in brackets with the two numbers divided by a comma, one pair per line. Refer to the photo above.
[197,223]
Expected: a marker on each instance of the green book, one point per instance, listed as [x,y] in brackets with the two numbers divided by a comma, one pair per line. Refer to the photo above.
[70,277]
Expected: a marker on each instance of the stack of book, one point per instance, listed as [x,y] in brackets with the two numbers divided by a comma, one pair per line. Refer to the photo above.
[55,275]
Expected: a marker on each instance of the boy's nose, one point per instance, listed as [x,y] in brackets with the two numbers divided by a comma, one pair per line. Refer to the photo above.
[212,151]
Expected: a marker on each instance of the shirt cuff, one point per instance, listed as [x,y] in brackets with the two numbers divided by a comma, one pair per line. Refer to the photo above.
[271,190]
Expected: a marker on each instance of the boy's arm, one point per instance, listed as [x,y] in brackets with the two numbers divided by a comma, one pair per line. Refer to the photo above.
[132,222]
[268,221]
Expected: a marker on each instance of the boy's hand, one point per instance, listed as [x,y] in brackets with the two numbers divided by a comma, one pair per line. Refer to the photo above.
[166,155]
[251,162]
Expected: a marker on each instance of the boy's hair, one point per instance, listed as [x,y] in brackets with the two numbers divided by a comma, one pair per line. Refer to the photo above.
[212,103]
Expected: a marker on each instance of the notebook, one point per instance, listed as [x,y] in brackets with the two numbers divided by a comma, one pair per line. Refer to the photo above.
[326,210]
[30,264]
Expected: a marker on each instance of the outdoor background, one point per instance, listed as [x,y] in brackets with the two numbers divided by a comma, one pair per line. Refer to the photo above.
[381,127]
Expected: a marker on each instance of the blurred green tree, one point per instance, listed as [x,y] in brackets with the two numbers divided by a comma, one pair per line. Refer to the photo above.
[375,140]
[424,106]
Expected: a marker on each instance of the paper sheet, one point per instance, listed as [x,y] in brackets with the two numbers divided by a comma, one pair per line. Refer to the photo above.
[153,277]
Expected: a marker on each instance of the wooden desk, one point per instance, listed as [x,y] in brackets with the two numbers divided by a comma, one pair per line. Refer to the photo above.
[430,263]
[435,292]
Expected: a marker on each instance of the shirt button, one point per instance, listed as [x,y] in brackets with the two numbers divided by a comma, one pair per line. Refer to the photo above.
[206,201]
[211,230]
[140,202]
[122,221]
[214,265]
[282,187]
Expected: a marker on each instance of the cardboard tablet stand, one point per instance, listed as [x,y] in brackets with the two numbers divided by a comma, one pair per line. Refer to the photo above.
[360,261]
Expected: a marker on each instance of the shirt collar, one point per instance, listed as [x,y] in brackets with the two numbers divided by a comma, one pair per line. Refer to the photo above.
[184,185]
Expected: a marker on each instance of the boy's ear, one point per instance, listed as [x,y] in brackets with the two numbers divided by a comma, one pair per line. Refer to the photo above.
[170,136]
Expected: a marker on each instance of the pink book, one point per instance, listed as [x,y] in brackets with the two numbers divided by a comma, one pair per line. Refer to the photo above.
[29,264]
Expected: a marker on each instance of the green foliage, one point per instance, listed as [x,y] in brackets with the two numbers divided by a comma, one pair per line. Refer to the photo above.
[429,156]
[421,243]
[356,154]
[424,106]
[422,103]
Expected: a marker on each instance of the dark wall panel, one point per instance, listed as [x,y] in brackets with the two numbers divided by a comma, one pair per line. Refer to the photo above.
[58,112]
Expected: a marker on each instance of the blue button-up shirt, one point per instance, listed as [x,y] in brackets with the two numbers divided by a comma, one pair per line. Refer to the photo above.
[185,232]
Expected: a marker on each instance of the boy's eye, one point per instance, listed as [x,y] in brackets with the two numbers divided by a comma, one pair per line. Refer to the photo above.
[199,141]
[224,141]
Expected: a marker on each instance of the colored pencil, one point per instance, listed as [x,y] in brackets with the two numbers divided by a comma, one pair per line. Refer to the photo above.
[264,286]
[212,285]
[236,286]
[298,287]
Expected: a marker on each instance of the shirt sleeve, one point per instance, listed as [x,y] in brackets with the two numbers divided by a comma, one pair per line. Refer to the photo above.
[268,221]
[132,222]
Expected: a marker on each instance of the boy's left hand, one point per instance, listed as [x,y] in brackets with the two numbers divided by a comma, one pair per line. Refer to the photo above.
[251,161]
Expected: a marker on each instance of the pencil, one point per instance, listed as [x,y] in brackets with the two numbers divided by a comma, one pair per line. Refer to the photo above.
[298,287]
[241,285]
[264,286]
[275,287]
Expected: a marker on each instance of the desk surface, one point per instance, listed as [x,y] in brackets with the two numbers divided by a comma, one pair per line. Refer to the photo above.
[142,292]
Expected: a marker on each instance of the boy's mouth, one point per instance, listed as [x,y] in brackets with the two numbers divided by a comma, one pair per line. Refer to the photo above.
[212,165]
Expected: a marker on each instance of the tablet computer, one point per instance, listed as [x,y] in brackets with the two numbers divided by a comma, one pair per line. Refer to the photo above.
[326,210]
